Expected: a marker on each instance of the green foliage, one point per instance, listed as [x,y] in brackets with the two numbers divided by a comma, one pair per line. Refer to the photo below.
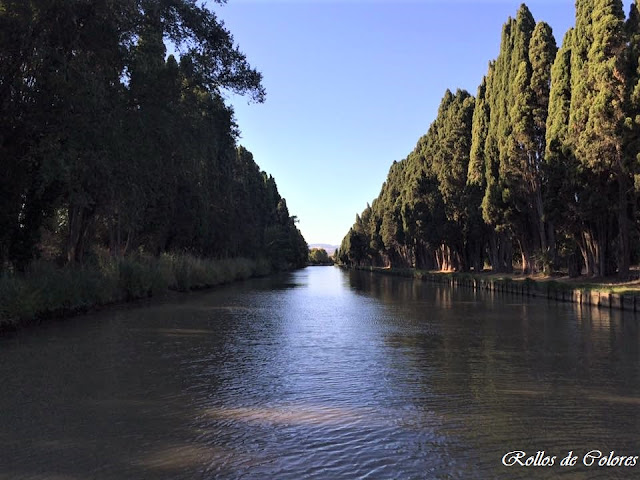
[191,273]
[111,146]
[479,129]
[139,278]
[544,163]
[426,204]
[46,290]
[593,144]
[510,140]
[319,256]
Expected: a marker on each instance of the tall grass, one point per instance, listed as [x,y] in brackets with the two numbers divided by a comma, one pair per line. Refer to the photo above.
[45,290]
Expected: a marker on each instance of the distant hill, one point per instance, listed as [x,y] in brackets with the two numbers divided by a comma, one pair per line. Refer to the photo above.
[329,248]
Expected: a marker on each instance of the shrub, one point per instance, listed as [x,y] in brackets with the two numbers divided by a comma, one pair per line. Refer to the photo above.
[46,290]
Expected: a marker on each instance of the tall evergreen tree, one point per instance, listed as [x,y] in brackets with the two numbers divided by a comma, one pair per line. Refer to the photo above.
[596,132]
[480,126]
[632,121]
[553,145]
[479,167]
[503,204]
[542,53]
[450,148]
[560,189]
[521,170]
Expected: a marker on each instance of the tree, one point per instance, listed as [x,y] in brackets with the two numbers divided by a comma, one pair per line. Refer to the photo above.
[596,127]
[319,256]
[449,148]
[553,144]
[561,187]
[507,145]
[112,146]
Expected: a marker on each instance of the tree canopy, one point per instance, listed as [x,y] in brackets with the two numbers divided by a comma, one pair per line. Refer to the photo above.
[540,170]
[319,256]
[108,143]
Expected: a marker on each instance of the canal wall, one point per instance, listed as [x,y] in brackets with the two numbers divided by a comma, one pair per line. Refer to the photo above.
[550,289]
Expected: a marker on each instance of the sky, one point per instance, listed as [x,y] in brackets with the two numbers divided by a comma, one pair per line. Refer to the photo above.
[352,85]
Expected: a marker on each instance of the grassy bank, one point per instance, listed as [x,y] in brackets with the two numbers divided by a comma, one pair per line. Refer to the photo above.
[46,291]
[606,293]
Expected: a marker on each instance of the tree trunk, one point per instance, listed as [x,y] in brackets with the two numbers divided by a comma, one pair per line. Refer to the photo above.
[624,247]
[527,257]
[573,263]
[501,251]
[478,260]
[494,256]
[77,226]
[540,217]
[550,259]
[79,219]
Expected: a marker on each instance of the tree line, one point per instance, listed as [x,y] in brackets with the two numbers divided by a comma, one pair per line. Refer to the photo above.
[319,256]
[540,169]
[108,143]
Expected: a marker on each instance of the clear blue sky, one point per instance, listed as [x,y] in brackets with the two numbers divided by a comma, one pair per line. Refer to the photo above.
[351,86]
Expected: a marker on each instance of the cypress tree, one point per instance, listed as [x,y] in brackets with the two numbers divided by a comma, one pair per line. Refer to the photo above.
[492,204]
[553,144]
[479,128]
[559,190]
[542,53]
[632,121]
[633,34]
[509,81]
[451,145]
[476,178]
[596,133]
[559,101]
[523,152]
[518,170]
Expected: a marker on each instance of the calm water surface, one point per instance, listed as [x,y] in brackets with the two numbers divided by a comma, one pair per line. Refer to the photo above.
[321,374]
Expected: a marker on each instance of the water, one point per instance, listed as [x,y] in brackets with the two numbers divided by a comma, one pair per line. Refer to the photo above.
[322,374]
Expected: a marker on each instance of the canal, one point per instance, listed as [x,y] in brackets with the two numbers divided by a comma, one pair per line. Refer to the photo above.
[324,374]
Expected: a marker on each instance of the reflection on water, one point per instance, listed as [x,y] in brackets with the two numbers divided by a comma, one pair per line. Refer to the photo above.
[321,374]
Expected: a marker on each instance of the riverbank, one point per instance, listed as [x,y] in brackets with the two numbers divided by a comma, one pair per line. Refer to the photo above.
[45,291]
[603,294]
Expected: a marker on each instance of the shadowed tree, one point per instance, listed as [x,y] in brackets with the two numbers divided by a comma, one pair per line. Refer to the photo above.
[110,145]
[595,133]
